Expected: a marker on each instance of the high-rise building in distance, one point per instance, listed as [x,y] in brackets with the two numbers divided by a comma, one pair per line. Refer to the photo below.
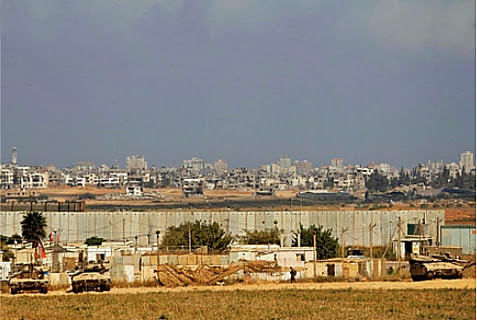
[14,156]
[220,166]
[285,162]
[195,164]
[466,161]
[136,162]
[337,163]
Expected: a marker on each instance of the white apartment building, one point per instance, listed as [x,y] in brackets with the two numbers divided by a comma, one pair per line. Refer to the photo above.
[109,182]
[273,168]
[220,166]
[35,179]
[337,163]
[6,178]
[136,162]
[195,164]
[365,171]
[285,163]
[454,169]
[466,161]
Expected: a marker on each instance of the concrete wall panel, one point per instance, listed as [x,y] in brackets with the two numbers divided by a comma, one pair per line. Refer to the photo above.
[117,226]
[241,223]
[260,220]
[77,226]
[318,219]
[63,227]
[235,222]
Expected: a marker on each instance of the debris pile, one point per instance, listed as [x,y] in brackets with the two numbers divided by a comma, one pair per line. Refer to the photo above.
[123,196]
[181,275]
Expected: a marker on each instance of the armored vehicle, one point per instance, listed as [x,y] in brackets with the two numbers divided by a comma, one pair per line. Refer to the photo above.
[355,253]
[27,277]
[94,276]
[436,266]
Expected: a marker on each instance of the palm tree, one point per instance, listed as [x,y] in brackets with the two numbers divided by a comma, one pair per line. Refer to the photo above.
[33,226]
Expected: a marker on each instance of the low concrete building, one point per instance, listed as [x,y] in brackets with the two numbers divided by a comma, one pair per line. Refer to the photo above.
[134,190]
[192,187]
[346,268]
[285,256]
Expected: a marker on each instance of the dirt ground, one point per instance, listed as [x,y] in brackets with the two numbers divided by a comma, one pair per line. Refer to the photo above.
[434,284]
[460,215]
[371,285]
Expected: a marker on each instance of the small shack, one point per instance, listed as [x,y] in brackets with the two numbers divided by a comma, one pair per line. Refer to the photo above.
[337,267]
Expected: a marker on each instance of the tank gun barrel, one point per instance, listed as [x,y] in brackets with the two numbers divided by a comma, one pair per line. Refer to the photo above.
[469,264]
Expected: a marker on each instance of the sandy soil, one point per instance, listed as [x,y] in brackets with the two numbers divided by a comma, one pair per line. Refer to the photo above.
[435,284]
[374,285]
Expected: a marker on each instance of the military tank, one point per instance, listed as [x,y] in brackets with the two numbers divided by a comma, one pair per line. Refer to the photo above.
[430,267]
[94,276]
[27,278]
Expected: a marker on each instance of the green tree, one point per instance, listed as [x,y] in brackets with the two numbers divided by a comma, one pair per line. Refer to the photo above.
[33,226]
[394,182]
[469,181]
[94,241]
[7,253]
[201,234]
[442,179]
[14,239]
[267,236]
[377,182]
[86,196]
[326,245]
[404,178]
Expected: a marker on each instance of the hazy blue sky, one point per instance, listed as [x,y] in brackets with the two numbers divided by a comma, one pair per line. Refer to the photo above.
[245,80]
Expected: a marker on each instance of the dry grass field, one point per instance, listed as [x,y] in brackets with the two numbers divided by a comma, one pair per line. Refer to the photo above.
[439,299]
[248,304]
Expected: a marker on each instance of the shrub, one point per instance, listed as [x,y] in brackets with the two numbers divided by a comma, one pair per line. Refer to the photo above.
[94,241]
[43,197]
[86,196]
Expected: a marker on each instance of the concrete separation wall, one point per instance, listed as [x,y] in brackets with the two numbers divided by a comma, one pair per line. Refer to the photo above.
[460,236]
[78,226]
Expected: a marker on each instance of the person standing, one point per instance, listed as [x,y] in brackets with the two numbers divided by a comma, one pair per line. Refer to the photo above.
[292,275]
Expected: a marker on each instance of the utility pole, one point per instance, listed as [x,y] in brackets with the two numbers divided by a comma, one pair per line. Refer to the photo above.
[301,210]
[438,232]
[363,228]
[399,244]
[190,241]
[124,237]
[55,254]
[314,254]
[390,241]
[371,226]
[343,230]
[228,222]
[157,252]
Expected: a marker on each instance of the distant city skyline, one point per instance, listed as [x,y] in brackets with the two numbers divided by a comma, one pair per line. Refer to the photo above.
[245,81]
[123,163]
